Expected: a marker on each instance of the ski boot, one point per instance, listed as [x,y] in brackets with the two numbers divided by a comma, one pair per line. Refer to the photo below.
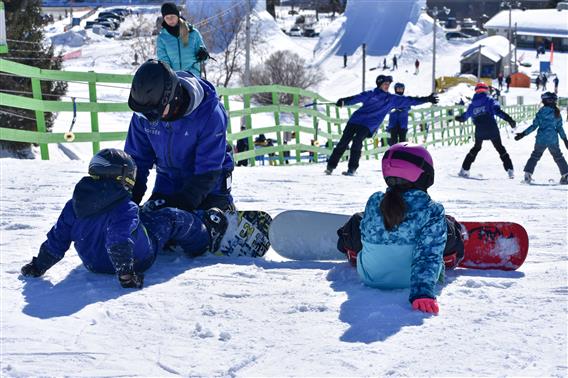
[463,173]
[328,171]
[511,173]
[564,179]
[349,172]
[216,223]
[528,178]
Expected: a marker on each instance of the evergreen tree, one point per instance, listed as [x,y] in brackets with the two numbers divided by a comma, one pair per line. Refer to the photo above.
[26,45]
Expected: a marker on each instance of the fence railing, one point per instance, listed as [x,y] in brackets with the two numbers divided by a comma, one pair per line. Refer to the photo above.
[298,133]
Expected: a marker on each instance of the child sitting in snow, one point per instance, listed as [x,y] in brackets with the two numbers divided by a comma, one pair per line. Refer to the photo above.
[112,235]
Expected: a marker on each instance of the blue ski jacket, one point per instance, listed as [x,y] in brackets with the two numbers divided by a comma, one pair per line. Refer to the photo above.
[411,255]
[398,118]
[170,49]
[483,109]
[376,105]
[193,162]
[104,224]
[548,125]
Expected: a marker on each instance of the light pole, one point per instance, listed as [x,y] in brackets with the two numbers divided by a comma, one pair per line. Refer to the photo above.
[435,11]
[510,4]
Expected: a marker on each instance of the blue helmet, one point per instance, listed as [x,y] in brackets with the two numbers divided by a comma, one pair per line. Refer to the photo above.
[399,88]
[549,98]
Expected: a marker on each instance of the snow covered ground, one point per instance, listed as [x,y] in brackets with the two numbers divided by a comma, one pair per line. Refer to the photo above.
[215,316]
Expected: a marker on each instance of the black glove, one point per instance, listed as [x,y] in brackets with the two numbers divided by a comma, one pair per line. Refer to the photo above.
[32,270]
[513,123]
[340,102]
[519,136]
[566,142]
[433,98]
[202,54]
[459,118]
[131,280]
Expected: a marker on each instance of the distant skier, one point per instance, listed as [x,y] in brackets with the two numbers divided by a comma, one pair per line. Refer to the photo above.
[112,235]
[483,110]
[537,81]
[398,119]
[416,67]
[404,238]
[556,81]
[385,64]
[544,82]
[500,80]
[365,121]
[394,63]
[548,121]
[242,146]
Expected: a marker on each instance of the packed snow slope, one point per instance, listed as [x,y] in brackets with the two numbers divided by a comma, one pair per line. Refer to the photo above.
[241,317]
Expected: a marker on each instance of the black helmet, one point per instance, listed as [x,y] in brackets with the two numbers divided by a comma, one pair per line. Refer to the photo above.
[399,86]
[114,164]
[549,98]
[153,88]
[382,79]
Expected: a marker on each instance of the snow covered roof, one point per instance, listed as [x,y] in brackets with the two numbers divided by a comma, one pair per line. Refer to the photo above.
[544,22]
[494,48]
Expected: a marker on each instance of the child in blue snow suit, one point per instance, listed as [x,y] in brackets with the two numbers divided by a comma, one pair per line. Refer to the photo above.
[482,110]
[112,235]
[365,121]
[549,124]
[398,120]
[405,238]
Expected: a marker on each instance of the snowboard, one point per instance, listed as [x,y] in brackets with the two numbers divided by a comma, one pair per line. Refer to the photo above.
[311,235]
[246,235]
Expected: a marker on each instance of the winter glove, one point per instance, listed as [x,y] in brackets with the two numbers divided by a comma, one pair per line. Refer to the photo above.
[519,136]
[426,305]
[566,142]
[131,280]
[202,54]
[459,118]
[32,270]
[340,102]
[433,98]
[513,123]
[153,205]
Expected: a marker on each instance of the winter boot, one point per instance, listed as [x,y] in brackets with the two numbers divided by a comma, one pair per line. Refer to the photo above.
[511,173]
[528,177]
[349,172]
[463,173]
[564,179]
[216,223]
[328,171]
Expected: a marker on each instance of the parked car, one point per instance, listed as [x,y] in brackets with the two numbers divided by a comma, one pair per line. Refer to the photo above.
[295,31]
[450,36]
[111,15]
[106,23]
[121,11]
[473,32]
[310,32]
[451,23]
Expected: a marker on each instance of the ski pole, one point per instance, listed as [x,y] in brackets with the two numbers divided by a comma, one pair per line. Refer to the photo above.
[70,136]
[318,103]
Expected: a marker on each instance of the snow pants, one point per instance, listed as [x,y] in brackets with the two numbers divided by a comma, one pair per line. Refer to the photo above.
[397,135]
[556,155]
[472,154]
[355,133]
[175,227]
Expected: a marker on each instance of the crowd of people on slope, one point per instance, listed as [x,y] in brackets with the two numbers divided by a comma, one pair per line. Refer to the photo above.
[403,239]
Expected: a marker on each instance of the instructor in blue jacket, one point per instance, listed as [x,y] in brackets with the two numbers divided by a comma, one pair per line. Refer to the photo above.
[366,120]
[179,126]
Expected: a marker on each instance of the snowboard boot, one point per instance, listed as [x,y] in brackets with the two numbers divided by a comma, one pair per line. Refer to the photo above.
[511,173]
[349,172]
[463,173]
[216,223]
[328,171]
[564,179]
[528,178]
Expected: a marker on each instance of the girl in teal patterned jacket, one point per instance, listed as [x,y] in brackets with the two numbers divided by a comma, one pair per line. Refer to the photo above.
[403,231]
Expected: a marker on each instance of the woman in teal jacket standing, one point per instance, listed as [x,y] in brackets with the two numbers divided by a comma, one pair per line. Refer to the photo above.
[180,44]
[403,231]
[549,124]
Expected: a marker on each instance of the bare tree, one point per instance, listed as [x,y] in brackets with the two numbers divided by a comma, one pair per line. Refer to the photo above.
[143,44]
[284,68]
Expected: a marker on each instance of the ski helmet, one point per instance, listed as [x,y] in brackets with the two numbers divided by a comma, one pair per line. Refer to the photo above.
[114,164]
[153,87]
[399,88]
[383,79]
[407,163]
[549,98]
[481,87]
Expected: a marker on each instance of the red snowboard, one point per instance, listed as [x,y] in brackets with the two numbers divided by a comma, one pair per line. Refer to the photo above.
[494,245]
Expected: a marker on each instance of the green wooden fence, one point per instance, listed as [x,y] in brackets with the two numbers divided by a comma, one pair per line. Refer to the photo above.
[300,133]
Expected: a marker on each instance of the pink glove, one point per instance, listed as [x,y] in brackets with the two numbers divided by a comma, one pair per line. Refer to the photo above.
[426,305]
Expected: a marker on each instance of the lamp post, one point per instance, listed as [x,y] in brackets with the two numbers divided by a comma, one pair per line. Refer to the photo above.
[510,4]
[434,12]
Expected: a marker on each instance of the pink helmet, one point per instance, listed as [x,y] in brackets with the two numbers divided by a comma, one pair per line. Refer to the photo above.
[407,163]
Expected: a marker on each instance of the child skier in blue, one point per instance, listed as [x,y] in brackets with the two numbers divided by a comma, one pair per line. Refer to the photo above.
[398,119]
[112,235]
[366,120]
[549,124]
[405,238]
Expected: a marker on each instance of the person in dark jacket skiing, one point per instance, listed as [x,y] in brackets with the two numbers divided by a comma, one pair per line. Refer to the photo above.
[398,119]
[365,121]
[179,126]
[548,121]
[112,235]
[483,110]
